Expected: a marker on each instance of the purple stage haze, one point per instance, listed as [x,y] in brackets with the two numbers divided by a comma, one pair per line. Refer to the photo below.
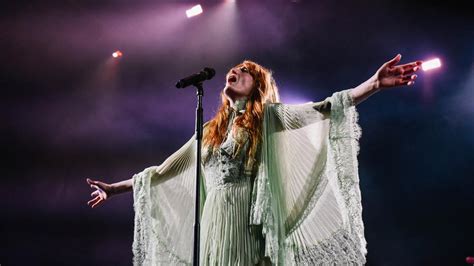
[70,111]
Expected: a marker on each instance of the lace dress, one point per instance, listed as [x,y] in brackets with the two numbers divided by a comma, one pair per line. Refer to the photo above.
[226,236]
[301,205]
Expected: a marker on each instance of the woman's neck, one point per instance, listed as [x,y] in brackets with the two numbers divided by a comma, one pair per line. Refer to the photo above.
[239,103]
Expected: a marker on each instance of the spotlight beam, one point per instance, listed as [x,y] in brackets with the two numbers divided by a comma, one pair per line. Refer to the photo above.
[431,64]
[194,11]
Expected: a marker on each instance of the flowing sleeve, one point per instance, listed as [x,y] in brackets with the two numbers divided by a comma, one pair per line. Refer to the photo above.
[306,193]
[164,209]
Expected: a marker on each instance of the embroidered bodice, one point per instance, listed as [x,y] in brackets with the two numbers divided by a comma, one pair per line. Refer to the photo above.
[227,166]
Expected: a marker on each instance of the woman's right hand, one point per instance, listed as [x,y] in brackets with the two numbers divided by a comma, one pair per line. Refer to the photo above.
[102,192]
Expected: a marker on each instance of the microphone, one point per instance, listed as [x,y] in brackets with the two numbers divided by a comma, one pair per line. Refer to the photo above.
[205,74]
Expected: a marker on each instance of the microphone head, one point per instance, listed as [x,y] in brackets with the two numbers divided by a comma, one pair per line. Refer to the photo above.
[198,78]
[179,84]
[210,72]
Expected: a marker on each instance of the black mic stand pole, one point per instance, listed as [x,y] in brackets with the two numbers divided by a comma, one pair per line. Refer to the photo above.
[199,125]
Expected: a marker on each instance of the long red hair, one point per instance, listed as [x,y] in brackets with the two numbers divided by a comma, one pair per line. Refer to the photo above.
[264,91]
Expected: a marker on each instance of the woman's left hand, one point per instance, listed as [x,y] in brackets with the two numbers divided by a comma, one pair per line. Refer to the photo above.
[390,75]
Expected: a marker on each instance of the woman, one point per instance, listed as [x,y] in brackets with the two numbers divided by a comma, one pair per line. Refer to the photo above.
[280,181]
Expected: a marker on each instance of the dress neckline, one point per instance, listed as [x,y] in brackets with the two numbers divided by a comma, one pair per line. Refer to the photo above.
[239,105]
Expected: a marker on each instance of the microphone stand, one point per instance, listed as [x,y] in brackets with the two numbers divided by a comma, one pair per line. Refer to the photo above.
[196,80]
[199,125]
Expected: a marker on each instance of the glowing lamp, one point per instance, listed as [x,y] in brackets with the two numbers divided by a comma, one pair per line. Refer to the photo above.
[194,11]
[431,64]
[117,54]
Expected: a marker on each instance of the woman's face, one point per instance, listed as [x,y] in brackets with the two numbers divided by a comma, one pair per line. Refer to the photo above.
[239,83]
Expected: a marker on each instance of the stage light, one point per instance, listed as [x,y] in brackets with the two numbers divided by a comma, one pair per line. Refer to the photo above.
[194,11]
[117,54]
[430,64]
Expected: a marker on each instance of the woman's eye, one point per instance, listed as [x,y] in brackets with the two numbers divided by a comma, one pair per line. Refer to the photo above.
[244,69]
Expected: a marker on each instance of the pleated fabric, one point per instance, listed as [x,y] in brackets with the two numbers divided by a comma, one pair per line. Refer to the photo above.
[302,206]
[227,238]
[307,194]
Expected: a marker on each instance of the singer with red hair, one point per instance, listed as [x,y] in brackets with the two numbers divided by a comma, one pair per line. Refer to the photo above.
[280,182]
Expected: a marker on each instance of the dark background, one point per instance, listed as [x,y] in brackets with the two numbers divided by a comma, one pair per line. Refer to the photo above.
[70,111]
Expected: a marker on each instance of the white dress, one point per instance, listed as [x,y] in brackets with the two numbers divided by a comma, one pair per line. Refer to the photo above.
[226,236]
[301,206]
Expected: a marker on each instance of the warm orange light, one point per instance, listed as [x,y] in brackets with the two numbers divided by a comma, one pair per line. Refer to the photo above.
[117,54]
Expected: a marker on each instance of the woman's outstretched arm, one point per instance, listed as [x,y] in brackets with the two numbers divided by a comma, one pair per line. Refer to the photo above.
[174,165]
[387,76]
[103,191]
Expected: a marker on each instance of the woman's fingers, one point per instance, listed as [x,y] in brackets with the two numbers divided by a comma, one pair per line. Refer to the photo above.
[400,71]
[410,67]
[97,184]
[404,70]
[103,194]
[391,74]
[394,61]
[410,80]
[99,194]
[93,200]
[99,201]
[407,80]
[409,71]
[409,77]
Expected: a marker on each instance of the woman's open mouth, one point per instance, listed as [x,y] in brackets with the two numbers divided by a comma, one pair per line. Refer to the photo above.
[232,79]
